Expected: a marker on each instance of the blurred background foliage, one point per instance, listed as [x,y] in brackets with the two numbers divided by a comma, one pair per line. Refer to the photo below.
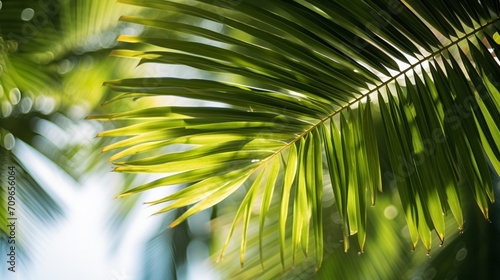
[54,57]
[51,63]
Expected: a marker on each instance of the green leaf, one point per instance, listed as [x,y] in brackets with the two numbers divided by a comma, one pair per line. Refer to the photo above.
[317,198]
[266,200]
[212,199]
[291,79]
[288,180]
[245,211]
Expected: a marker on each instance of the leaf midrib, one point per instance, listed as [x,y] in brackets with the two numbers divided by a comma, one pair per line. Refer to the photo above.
[383,84]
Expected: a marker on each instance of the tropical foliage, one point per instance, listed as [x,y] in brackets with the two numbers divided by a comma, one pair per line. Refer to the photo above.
[297,115]
[298,87]
[50,65]
[54,57]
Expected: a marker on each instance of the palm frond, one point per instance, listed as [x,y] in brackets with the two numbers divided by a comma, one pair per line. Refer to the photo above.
[165,252]
[463,257]
[26,191]
[300,81]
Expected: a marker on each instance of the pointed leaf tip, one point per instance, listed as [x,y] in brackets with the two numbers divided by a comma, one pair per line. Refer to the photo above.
[123,195]
[173,224]
[441,238]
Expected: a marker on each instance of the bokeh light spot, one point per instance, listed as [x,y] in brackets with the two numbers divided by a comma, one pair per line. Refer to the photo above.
[461,254]
[390,212]
[26,105]
[9,141]
[15,95]
[64,67]
[27,14]
[6,109]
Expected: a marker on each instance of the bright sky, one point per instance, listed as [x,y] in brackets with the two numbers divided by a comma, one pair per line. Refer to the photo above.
[79,246]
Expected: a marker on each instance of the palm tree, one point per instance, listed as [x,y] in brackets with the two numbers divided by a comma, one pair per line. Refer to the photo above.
[297,92]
